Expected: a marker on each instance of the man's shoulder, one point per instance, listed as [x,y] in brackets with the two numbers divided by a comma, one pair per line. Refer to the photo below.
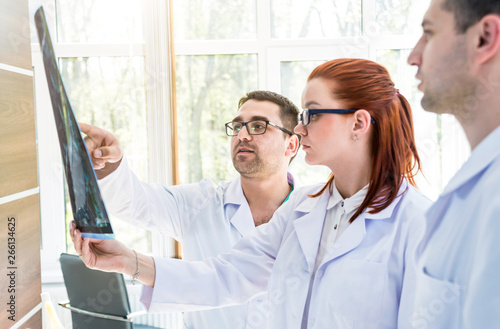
[204,189]
[486,186]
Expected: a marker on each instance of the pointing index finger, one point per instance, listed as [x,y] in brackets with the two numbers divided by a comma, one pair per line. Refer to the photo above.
[85,128]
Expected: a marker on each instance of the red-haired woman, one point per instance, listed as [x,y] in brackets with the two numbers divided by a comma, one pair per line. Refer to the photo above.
[338,255]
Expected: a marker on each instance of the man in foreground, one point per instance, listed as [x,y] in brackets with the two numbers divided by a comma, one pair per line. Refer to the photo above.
[458,59]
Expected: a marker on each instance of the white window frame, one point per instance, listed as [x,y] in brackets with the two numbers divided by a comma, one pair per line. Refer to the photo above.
[271,52]
[156,50]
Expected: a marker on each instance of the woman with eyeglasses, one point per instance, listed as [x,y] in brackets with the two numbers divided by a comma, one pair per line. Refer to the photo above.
[336,255]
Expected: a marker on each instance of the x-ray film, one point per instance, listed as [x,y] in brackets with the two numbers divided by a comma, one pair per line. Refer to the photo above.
[90,214]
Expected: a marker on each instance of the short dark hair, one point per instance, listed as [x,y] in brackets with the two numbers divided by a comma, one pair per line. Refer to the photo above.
[289,111]
[469,12]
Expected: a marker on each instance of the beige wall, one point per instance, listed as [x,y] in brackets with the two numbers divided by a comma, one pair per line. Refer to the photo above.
[19,200]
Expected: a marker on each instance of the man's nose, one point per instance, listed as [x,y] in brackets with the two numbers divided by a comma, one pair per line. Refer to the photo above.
[415,57]
[243,134]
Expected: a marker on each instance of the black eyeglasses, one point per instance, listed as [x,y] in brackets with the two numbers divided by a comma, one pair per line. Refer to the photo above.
[305,116]
[254,127]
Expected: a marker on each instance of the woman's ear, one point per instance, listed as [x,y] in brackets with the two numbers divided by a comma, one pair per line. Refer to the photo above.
[361,124]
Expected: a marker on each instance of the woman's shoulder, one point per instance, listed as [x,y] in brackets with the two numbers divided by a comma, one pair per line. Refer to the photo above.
[310,189]
[415,197]
[304,192]
[414,206]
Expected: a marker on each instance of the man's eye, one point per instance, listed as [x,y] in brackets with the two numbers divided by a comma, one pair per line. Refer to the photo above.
[427,34]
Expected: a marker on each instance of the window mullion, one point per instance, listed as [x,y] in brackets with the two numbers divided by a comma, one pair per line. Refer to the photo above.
[264,37]
[160,99]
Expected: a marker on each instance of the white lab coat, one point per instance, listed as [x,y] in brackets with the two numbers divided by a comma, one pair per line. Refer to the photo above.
[207,219]
[459,270]
[365,281]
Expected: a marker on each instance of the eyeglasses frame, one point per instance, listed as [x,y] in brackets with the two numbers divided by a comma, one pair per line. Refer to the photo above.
[334,111]
[265,130]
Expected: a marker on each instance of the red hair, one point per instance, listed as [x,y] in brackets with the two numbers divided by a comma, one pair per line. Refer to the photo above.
[363,84]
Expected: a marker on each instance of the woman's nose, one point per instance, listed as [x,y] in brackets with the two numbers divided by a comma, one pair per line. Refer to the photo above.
[300,129]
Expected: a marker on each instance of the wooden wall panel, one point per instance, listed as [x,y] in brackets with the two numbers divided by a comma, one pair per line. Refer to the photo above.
[15,41]
[20,270]
[34,322]
[18,163]
[20,283]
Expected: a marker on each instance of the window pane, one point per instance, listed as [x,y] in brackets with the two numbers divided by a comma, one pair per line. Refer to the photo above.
[293,80]
[294,77]
[208,90]
[99,21]
[109,92]
[315,18]
[214,19]
[400,16]
[427,125]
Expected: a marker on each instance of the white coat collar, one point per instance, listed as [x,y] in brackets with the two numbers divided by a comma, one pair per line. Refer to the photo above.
[309,204]
[234,193]
[242,219]
[482,156]
[309,226]
[387,212]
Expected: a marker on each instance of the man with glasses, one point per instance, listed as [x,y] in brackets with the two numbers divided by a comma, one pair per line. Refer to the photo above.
[208,218]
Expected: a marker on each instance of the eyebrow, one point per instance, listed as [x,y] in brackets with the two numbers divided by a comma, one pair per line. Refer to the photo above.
[426,22]
[255,117]
[311,103]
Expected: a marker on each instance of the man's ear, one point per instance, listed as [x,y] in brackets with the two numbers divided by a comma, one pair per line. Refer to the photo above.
[362,119]
[487,36]
[293,146]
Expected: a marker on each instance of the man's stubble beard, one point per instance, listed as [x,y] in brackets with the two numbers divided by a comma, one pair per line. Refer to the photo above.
[255,168]
[456,93]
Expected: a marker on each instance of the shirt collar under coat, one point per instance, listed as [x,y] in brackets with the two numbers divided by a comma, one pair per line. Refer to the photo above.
[481,157]
[309,226]
[242,218]
[351,203]
[309,204]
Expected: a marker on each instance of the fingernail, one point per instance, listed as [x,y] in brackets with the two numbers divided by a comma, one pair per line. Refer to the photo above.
[98,153]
